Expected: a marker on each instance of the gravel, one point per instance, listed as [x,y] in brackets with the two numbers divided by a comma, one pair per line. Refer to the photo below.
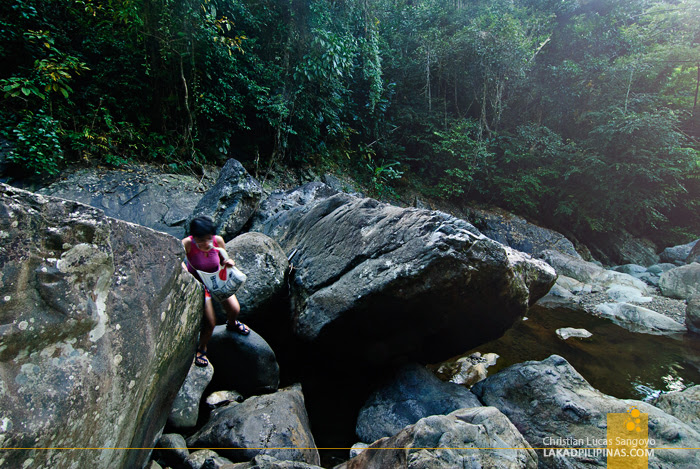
[672,308]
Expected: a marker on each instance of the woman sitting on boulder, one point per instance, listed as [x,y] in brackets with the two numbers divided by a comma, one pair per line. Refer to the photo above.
[203,255]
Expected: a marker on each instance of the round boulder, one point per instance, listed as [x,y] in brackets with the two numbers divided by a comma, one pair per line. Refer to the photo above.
[262,260]
[550,399]
[245,363]
[439,442]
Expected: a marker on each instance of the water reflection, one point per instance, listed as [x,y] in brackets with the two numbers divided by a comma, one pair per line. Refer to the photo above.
[617,362]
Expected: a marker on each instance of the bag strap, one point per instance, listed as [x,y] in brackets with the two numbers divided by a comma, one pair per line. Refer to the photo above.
[222,253]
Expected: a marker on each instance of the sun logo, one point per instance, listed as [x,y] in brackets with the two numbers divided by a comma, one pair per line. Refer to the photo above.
[633,420]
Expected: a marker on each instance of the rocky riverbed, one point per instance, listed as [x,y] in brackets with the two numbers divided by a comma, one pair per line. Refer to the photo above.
[336,282]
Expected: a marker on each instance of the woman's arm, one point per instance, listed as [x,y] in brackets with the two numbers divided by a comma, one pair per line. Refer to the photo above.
[226,260]
[186,243]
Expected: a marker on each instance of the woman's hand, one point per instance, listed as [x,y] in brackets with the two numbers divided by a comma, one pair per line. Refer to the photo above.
[229,262]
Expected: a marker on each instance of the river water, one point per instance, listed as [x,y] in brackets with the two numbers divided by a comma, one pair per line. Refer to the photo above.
[615,361]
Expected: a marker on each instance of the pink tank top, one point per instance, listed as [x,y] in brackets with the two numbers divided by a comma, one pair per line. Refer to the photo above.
[206,261]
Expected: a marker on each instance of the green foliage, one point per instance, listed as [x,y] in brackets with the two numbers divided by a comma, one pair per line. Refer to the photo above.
[381,175]
[645,162]
[582,115]
[533,167]
[37,147]
[466,159]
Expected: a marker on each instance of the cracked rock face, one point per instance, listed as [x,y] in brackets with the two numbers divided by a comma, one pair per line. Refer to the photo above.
[386,283]
[146,197]
[97,327]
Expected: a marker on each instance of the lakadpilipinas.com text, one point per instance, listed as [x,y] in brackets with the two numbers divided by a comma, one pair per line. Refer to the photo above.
[597,447]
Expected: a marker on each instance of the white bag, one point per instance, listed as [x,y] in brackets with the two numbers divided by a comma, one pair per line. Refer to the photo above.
[223,283]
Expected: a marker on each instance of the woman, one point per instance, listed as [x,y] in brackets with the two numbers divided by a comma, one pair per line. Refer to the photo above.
[202,255]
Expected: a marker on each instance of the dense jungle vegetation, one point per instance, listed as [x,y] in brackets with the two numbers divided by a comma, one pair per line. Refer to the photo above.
[579,114]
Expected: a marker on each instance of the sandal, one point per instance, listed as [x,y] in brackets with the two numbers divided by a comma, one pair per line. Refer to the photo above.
[238,326]
[200,358]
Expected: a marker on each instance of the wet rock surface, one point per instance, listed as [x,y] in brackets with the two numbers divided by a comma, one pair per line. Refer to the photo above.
[682,282]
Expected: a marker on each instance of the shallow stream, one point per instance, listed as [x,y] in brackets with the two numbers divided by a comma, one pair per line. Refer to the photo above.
[615,361]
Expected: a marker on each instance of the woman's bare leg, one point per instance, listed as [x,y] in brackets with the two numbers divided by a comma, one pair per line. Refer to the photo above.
[232,308]
[208,323]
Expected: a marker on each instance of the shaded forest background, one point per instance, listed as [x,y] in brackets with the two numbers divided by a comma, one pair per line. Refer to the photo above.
[581,115]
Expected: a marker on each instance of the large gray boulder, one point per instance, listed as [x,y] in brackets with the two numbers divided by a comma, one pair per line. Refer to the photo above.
[185,409]
[367,274]
[145,196]
[681,282]
[273,424]
[631,269]
[589,273]
[639,319]
[281,209]
[516,232]
[549,401]
[265,264]
[677,254]
[231,201]
[410,394]
[99,323]
[463,438]
[244,363]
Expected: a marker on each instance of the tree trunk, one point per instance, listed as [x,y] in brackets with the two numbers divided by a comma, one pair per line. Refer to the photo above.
[427,82]
[697,88]
[629,86]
